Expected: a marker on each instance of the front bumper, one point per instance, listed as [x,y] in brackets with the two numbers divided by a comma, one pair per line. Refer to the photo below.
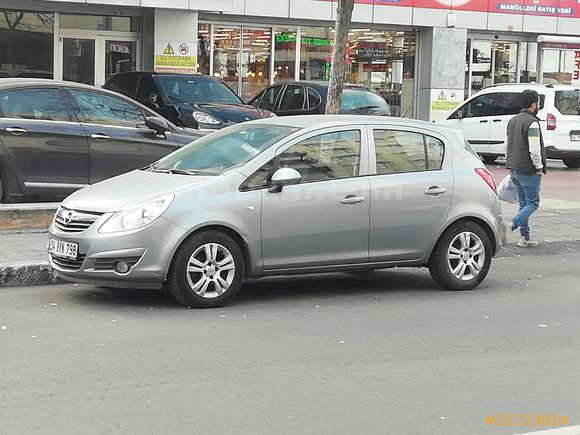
[555,153]
[148,253]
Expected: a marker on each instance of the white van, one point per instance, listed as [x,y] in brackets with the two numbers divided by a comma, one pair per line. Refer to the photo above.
[483,119]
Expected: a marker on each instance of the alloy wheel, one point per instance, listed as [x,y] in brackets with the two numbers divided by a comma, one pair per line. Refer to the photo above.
[466,255]
[211,270]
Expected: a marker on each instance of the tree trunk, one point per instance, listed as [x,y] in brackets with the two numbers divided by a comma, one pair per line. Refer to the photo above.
[343,17]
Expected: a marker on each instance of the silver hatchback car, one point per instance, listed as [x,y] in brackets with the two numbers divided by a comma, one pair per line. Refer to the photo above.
[304,194]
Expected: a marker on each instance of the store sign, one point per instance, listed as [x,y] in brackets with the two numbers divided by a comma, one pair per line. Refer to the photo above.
[550,8]
[177,57]
[305,40]
[443,102]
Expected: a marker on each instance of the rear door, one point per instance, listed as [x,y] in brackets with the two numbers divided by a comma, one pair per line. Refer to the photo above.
[567,132]
[44,142]
[118,139]
[410,193]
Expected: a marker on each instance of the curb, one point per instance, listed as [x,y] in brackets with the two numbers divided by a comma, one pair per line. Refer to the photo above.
[27,274]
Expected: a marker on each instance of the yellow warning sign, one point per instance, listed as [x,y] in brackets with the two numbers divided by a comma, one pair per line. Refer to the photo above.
[442,96]
[168,49]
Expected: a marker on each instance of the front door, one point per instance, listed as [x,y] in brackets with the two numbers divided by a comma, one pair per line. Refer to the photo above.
[324,220]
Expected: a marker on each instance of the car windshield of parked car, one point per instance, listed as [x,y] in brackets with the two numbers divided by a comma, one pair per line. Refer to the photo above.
[223,150]
[196,89]
[361,99]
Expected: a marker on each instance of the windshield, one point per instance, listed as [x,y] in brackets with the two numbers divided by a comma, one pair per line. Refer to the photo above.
[223,150]
[568,102]
[356,99]
[196,89]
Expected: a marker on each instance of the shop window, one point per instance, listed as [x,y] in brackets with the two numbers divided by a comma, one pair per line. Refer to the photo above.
[96,22]
[284,54]
[528,62]
[255,61]
[315,53]
[26,44]
[203,48]
[558,66]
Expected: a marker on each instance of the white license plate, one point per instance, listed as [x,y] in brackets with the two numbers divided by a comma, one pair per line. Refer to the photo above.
[575,137]
[62,249]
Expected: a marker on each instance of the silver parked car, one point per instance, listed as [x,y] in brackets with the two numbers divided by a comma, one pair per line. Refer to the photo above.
[282,196]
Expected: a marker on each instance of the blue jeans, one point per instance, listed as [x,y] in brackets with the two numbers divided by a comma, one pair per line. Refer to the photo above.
[528,186]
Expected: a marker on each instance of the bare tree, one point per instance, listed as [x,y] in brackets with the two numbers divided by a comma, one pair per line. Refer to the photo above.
[343,17]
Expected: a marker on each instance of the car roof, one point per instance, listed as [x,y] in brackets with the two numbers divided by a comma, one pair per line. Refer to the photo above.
[14,82]
[520,87]
[319,84]
[322,121]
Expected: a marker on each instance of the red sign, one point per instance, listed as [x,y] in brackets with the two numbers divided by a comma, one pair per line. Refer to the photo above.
[576,73]
[550,8]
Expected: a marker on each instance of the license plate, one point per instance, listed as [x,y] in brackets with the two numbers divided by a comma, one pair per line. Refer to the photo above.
[62,249]
[575,137]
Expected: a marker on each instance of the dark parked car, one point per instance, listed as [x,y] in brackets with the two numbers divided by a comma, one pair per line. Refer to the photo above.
[194,100]
[56,137]
[307,97]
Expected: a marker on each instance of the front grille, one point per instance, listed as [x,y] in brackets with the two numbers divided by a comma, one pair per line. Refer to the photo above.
[68,264]
[74,221]
[107,263]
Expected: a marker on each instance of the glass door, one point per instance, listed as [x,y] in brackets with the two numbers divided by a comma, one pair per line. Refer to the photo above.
[255,61]
[226,56]
[78,60]
[505,62]
[120,56]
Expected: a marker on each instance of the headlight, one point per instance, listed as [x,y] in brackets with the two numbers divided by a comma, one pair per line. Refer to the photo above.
[204,118]
[137,217]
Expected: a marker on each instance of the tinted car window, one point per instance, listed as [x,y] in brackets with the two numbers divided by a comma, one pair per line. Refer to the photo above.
[314,98]
[269,98]
[41,103]
[357,99]
[99,108]
[196,89]
[568,102]
[123,83]
[325,157]
[479,106]
[146,88]
[506,104]
[399,151]
[293,98]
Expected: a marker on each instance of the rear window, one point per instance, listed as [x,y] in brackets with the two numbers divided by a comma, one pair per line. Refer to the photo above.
[568,102]
[357,99]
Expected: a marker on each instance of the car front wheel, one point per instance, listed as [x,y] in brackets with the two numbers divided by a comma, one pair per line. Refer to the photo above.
[207,270]
[572,163]
[462,257]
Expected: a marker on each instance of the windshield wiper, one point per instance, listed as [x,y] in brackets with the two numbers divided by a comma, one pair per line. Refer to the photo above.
[191,172]
[363,108]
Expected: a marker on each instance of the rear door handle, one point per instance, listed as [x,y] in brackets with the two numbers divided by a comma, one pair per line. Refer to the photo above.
[497,120]
[483,121]
[352,199]
[100,136]
[435,190]
[16,130]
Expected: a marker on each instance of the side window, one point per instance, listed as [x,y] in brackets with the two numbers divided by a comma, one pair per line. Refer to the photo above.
[314,98]
[146,87]
[479,106]
[260,178]
[293,98]
[399,151]
[506,104]
[98,108]
[435,152]
[325,157]
[40,103]
[125,84]
[269,98]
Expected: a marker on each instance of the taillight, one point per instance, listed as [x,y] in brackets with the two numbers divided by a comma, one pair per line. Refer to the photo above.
[487,177]
[551,121]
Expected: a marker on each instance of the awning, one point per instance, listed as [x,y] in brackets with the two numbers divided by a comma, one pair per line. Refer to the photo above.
[561,42]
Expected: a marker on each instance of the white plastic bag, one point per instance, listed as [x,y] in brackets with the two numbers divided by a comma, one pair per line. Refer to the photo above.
[506,191]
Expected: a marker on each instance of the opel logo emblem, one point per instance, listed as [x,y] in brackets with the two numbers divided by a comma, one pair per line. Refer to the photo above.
[68,217]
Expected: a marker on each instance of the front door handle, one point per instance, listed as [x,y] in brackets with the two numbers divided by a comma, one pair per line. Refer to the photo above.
[435,190]
[100,136]
[352,199]
[497,120]
[16,130]
[483,121]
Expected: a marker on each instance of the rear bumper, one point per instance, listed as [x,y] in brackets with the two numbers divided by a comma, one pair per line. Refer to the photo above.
[554,153]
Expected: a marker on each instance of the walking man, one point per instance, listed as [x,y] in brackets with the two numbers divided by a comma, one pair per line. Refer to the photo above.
[526,158]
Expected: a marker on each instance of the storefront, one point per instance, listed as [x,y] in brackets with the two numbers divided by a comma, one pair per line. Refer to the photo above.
[248,58]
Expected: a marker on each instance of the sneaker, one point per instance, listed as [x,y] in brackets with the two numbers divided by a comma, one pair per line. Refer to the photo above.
[523,243]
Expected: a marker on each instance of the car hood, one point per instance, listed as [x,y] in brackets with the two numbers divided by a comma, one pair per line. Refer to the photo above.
[230,113]
[130,189]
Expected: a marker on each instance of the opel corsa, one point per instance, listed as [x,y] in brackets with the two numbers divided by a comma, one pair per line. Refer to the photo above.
[304,194]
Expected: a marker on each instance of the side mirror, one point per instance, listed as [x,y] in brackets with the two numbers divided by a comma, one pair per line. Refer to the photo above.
[459,114]
[284,177]
[153,100]
[157,124]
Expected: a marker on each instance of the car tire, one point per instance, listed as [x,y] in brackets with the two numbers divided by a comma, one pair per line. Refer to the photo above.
[572,163]
[207,270]
[462,248]
[488,159]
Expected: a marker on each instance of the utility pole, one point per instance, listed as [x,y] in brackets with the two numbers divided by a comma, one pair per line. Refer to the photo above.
[343,17]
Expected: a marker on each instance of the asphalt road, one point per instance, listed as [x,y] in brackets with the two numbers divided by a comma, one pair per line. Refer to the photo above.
[386,354]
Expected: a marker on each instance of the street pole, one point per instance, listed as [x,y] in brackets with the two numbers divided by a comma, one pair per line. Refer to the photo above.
[343,17]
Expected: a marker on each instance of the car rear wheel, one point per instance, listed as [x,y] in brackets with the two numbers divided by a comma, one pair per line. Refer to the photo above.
[462,257]
[207,270]
[572,163]
[489,159]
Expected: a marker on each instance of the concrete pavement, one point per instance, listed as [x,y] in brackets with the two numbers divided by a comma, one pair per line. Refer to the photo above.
[23,258]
